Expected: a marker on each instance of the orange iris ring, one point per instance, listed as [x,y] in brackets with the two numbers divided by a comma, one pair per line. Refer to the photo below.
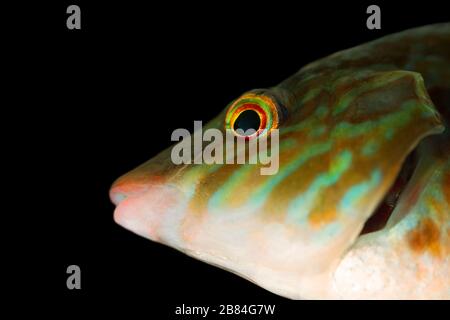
[262,105]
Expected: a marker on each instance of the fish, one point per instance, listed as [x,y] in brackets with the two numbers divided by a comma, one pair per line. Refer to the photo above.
[360,205]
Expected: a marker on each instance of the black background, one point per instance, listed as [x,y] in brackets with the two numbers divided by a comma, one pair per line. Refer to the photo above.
[106,98]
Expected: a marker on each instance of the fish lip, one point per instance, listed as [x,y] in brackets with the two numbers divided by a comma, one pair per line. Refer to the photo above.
[120,192]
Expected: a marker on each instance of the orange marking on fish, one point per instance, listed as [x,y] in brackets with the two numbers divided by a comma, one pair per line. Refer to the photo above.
[319,218]
[425,237]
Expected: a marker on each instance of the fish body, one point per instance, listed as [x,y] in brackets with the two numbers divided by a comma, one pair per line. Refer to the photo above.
[360,205]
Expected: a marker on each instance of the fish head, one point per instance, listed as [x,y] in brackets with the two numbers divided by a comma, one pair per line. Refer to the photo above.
[338,141]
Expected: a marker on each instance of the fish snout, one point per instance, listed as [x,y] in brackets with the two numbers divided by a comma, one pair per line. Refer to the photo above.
[145,209]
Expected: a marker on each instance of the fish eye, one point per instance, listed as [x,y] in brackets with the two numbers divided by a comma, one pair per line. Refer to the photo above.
[247,120]
[251,116]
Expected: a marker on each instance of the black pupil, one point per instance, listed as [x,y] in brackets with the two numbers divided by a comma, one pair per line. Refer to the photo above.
[248,119]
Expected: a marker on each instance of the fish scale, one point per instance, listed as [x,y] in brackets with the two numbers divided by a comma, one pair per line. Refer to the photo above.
[347,122]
